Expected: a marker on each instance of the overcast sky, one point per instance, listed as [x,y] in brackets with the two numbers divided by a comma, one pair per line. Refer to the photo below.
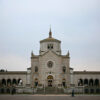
[23,23]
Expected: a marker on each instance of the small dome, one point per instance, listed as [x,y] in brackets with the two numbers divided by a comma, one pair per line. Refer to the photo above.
[50,40]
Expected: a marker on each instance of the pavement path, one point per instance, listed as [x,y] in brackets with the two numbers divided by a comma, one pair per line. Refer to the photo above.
[49,97]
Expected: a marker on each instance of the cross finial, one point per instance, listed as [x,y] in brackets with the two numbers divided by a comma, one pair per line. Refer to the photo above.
[50,33]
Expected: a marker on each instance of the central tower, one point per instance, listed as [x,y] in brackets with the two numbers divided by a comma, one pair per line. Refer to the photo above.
[50,43]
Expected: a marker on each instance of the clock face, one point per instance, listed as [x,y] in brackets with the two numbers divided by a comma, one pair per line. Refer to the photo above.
[50,64]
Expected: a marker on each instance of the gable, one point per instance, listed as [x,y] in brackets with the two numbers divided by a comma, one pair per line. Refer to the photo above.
[50,53]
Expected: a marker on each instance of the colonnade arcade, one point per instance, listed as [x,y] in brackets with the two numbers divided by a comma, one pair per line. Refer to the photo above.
[11,82]
[88,82]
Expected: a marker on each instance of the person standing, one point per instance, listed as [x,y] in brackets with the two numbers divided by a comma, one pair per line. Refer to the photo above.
[73,93]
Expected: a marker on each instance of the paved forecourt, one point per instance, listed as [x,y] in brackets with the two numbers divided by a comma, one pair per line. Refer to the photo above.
[48,97]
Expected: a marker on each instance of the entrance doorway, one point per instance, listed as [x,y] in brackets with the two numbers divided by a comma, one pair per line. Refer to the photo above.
[50,80]
[36,82]
[49,83]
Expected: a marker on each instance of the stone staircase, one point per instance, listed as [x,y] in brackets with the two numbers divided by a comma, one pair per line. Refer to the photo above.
[50,90]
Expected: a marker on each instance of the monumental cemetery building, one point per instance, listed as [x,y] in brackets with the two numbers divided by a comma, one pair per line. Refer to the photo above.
[50,69]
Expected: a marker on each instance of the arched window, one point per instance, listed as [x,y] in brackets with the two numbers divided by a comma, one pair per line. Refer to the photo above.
[14,82]
[64,69]
[80,82]
[36,69]
[3,82]
[50,46]
[50,64]
[96,82]
[20,82]
[8,82]
[91,83]
[86,82]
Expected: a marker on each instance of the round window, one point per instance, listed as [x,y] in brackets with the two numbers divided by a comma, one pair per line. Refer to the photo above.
[50,64]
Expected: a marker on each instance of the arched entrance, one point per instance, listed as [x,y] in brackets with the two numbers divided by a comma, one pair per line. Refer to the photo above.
[63,82]
[36,82]
[50,80]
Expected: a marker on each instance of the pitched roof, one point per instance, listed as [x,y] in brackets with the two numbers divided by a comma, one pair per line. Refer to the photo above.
[13,72]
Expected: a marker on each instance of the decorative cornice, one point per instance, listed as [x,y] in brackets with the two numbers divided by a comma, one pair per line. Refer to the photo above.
[86,72]
[13,72]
